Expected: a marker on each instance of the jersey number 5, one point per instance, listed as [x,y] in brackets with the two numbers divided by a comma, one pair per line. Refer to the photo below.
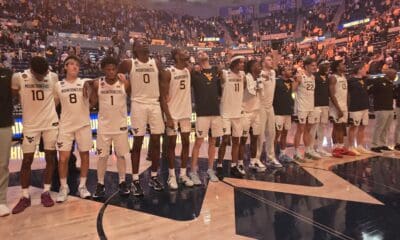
[182,84]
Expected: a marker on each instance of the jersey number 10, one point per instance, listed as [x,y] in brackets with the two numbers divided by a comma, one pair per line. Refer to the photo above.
[37,95]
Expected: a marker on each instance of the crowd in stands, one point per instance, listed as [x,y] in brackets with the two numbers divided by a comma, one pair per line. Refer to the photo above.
[25,26]
[318,21]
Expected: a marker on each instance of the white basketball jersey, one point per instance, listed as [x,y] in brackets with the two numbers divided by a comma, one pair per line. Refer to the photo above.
[232,94]
[37,100]
[74,107]
[340,92]
[304,100]
[144,82]
[269,81]
[251,102]
[112,108]
[180,103]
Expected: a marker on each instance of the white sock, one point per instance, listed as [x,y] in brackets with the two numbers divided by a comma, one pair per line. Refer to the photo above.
[253,160]
[121,166]
[283,151]
[101,169]
[171,172]
[63,182]
[135,176]
[240,162]
[308,149]
[153,174]
[183,172]
[25,192]
[46,188]
[233,164]
[219,165]
[296,151]
[82,182]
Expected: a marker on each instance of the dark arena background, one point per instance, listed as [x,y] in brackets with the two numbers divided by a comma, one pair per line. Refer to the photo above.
[355,195]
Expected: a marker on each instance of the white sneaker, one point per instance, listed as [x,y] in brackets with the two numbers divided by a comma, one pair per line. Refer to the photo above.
[311,155]
[83,192]
[62,194]
[313,152]
[323,153]
[211,174]
[173,185]
[297,157]
[257,165]
[354,150]
[4,210]
[186,181]
[363,150]
[195,178]
[274,162]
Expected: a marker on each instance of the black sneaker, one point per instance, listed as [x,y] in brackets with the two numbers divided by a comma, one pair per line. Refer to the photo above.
[376,149]
[155,184]
[236,173]
[136,189]
[100,191]
[386,148]
[397,147]
[220,173]
[124,189]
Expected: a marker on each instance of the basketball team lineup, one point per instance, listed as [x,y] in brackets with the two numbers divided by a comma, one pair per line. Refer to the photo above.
[245,110]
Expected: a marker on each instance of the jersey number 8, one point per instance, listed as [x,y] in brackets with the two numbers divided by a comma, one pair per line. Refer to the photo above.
[72,98]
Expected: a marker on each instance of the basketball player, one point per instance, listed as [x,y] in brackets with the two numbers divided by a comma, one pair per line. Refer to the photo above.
[304,85]
[283,108]
[206,84]
[74,125]
[321,97]
[176,103]
[251,114]
[267,115]
[231,112]
[110,93]
[36,87]
[358,108]
[338,109]
[382,92]
[145,109]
